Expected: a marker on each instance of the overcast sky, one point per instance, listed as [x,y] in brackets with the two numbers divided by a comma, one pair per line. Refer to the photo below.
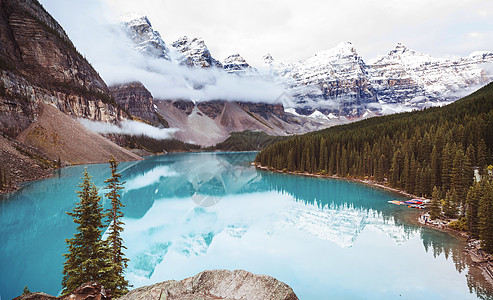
[292,30]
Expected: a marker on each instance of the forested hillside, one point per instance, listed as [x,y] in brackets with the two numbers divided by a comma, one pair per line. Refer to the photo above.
[418,152]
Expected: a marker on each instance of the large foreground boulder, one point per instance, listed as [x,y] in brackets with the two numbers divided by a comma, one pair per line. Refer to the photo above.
[216,284]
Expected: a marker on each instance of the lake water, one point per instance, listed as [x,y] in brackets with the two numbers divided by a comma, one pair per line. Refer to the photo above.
[185,213]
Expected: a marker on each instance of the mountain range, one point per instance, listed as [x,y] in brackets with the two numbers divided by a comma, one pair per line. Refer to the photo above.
[338,82]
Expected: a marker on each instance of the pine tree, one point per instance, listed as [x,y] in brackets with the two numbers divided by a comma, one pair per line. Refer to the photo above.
[486,216]
[435,167]
[395,169]
[380,168]
[324,155]
[116,280]
[472,206]
[458,166]
[435,208]
[450,204]
[446,166]
[481,156]
[85,260]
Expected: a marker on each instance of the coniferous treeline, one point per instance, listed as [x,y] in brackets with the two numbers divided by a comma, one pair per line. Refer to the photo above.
[418,152]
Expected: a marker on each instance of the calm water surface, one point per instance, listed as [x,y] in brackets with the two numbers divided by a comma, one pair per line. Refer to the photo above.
[185,213]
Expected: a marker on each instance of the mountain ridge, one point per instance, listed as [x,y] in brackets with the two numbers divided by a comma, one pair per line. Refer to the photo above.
[340,82]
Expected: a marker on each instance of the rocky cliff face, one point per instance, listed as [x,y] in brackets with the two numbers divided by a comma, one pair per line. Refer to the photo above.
[138,101]
[216,284]
[44,84]
[38,63]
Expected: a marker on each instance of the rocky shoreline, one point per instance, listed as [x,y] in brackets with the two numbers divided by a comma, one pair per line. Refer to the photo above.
[207,285]
[472,248]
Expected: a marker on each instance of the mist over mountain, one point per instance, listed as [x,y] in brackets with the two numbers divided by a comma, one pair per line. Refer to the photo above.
[336,82]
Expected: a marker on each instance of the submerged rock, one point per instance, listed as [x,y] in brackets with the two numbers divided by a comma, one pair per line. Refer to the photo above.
[216,284]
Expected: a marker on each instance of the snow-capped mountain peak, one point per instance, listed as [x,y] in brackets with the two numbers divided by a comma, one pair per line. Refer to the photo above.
[235,63]
[400,48]
[267,59]
[137,21]
[344,50]
[404,55]
[481,54]
[195,53]
[145,38]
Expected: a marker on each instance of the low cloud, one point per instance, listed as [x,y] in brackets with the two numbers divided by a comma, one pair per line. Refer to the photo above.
[100,37]
[167,80]
[129,127]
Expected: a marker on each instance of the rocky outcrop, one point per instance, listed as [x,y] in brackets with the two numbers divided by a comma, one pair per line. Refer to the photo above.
[212,109]
[267,111]
[216,284]
[194,53]
[138,101]
[88,291]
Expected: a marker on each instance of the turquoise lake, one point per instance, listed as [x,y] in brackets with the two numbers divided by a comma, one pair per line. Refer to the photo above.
[185,213]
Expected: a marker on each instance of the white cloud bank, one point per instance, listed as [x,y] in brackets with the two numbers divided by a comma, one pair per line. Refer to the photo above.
[98,36]
[129,127]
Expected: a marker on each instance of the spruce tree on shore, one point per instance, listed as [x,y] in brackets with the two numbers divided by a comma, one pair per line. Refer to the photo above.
[85,260]
[117,283]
